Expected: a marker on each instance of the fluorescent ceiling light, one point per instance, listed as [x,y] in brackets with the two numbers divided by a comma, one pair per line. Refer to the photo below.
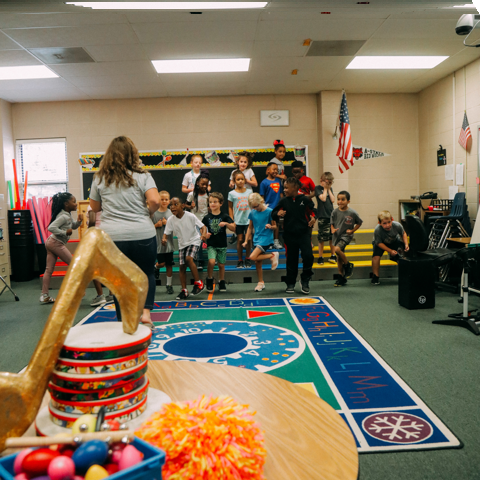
[202,66]
[467,5]
[21,73]
[395,63]
[193,6]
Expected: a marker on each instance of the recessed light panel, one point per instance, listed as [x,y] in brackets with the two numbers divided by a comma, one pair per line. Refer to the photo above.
[193,6]
[395,63]
[29,72]
[202,66]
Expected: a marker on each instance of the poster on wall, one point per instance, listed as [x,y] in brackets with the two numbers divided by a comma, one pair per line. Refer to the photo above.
[441,156]
[365,153]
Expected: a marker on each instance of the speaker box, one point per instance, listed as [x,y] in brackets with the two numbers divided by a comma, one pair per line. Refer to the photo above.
[416,283]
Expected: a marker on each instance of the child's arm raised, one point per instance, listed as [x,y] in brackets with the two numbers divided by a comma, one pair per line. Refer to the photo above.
[331,195]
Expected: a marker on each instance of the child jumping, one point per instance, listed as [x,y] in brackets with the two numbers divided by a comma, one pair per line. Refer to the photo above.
[244,164]
[188,183]
[325,200]
[390,237]
[61,227]
[261,222]
[217,223]
[164,252]
[344,223]
[271,190]
[184,226]
[298,212]
[239,210]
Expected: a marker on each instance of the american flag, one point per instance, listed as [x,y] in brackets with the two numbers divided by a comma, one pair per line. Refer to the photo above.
[345,150]
[465,133]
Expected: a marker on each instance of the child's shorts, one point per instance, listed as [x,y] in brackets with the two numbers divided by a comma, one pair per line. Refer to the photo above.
[241,229]
[190,251]
[324,230]
[378,252]
[166,258]
[342,243]
[217,253]
[264,248]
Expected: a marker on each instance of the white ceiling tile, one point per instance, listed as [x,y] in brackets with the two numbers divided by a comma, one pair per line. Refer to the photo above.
[24,20]
[115,80]
[121,34]
[11,58]
[203,79]
[125,91]
[44,95]
[417,28]
[117,53]
[104,68]
[206,90]
[411,46]
[34,84]
[204,49]
[7,44]
[185,16]
[269,48]
[182,32]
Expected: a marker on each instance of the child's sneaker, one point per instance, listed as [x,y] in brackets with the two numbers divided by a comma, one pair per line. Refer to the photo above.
[341,282]
[46,298]
[109,298]
[209,284]
[290,289]
[305,286]
[348,269]
[98,300]
[248,263]
[274,260]
[277,244]
[182,295]
[321,261]
[198,288]
[375,280]
[222,286]
[260,286]
[240,264]
[169,289]
[332,259]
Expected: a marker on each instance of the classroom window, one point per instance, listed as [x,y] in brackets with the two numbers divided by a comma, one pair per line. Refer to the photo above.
[45,160]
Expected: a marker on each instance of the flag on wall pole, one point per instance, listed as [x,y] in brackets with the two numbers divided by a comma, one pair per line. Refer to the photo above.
[465,133]
[345,150]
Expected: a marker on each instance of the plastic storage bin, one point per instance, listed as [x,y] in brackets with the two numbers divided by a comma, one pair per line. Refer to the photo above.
[149,469]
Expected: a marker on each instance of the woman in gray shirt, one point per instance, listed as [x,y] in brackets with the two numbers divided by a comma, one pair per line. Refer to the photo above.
[127,196]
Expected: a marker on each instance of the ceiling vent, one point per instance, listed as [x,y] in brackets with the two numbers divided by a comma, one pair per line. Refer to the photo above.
[341,48]
[60,55]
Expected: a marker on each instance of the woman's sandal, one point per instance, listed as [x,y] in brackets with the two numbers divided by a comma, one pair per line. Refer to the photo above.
[150,325]
[260,286]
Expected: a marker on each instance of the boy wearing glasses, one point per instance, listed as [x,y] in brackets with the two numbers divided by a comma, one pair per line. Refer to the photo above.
[325,200]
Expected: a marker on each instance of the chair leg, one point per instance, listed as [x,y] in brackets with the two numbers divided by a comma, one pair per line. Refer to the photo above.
[7,286]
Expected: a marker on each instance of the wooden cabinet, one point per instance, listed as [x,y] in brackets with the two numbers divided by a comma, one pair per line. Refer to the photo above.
[4,245]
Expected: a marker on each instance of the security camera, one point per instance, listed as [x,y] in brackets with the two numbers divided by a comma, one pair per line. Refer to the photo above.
[465,24]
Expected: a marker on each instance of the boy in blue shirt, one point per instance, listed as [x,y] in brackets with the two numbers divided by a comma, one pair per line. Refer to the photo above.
[262,223]
[271,190]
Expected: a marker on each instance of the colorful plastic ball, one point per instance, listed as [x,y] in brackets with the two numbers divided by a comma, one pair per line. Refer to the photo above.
[96,472]
[79,425]
[21,476]
[130,457]
[90,453]
[36,463]
[17,464]
[116,452]
[78,477]
[61,468]
[111,468]
[114,425]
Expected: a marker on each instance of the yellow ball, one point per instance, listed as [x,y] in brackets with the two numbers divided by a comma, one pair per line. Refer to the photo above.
[96,472]
[89,420]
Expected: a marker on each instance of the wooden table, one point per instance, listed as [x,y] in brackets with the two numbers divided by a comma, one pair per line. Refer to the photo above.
[305,438]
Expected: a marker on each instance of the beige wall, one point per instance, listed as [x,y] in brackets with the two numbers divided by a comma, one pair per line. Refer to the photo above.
[384,122]
[439,127]
[388,123]
[167,123]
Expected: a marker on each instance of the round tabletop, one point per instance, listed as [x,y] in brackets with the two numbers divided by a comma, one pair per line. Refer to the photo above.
[305,438]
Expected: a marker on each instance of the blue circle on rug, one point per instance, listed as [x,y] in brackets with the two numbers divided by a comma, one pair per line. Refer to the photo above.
[205,345]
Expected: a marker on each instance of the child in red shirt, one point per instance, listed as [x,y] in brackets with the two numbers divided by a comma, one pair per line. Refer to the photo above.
[307,187]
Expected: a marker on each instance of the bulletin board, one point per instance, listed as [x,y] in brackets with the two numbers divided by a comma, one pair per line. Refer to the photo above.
[168,167]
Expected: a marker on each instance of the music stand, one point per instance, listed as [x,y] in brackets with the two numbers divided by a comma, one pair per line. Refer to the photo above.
[7,286]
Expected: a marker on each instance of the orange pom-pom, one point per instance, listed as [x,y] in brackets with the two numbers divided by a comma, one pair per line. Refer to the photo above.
[208,438]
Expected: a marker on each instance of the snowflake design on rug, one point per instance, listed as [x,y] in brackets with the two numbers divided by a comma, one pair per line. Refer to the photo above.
[397,427]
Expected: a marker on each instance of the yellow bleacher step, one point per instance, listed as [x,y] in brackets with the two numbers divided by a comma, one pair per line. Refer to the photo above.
[362,246]
[355,254]
[366,230]
[357,263]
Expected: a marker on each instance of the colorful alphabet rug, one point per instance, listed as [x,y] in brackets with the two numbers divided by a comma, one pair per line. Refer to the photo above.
[305,341]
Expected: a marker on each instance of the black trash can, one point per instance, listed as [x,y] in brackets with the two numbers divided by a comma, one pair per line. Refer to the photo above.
[22,245]
[416,283]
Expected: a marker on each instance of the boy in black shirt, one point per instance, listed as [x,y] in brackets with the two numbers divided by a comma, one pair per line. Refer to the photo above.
[217,223]
[296,210]
[325,201]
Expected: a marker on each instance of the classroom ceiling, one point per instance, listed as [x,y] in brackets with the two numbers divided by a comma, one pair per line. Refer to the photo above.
[123,43]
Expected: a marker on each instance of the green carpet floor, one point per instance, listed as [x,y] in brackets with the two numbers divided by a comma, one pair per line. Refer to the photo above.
[439,363]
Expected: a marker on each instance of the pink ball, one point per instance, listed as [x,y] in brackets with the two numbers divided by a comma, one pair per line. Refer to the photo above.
[61,468]
[116,456]
[78,477]
[21,476]
[17,464]
[130,457]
